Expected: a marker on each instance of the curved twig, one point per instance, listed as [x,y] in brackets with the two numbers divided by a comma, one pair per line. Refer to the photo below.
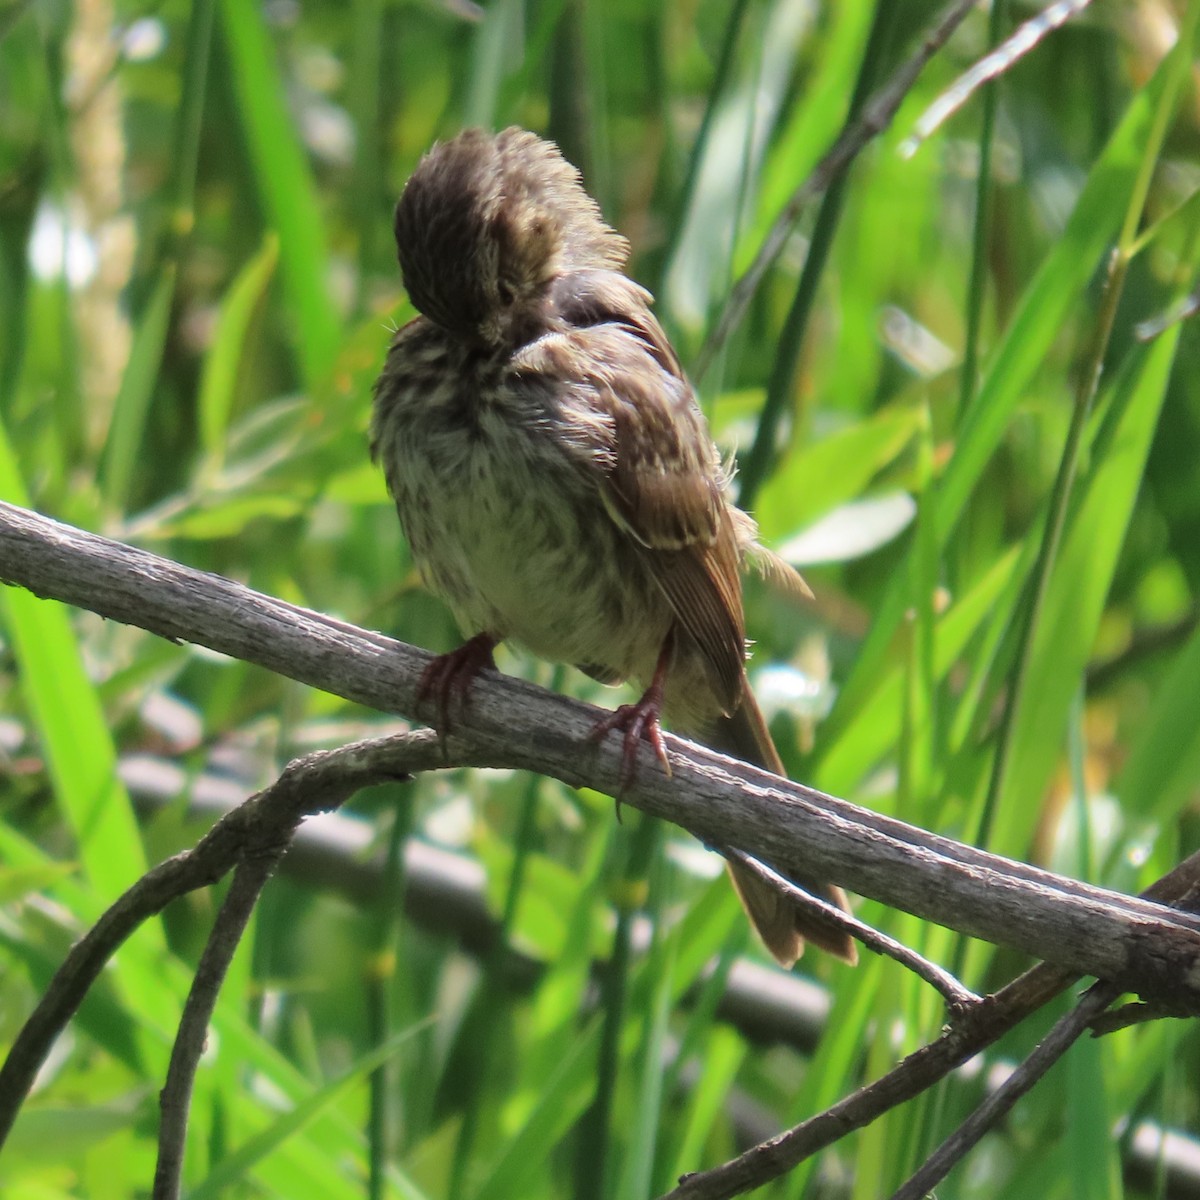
[1048,1051]
[957,997]
[175,1100]
[262,827]
[796,830]
[978,1028]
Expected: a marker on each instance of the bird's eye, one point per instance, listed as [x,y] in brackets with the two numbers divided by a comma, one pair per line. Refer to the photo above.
[505,292]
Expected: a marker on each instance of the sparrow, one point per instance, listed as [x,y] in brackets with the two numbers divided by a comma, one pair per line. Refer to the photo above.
[554,476]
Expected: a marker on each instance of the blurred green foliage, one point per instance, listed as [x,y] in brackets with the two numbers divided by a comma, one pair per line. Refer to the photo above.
[196,287]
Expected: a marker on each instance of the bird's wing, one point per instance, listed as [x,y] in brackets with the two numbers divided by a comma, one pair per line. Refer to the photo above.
[648,450]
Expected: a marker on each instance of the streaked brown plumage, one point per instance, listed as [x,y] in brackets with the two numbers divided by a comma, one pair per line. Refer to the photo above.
[553,474]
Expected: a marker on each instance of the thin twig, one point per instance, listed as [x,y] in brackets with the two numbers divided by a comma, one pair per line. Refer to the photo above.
[1134,1013]
[175,1100]
[1048,1051]
[957,997]
[1010,51]
[971,1031]
[982,1025]
[876,117]
[315,783]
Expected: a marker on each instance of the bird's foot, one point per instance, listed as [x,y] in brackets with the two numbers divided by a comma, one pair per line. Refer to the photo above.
[639,722]
[447,680]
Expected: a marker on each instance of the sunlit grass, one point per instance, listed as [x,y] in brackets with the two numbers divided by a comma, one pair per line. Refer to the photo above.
[263,292]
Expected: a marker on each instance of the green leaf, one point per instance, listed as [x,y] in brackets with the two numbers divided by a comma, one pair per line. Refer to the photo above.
[222,363]
[876,725]
[1158,780]
[128,429]
[220,519]
[18,882]
[1093,1160]
[50,1134]
[821,476]
[1043,309]
[71,726]
[252,1152]
[285,185]
[1079,587]
[723,1055]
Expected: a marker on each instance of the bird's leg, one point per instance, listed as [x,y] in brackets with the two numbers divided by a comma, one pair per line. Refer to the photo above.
[449,676]
[641,721]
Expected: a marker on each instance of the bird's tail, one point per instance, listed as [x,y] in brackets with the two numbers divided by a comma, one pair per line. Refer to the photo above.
[783,925]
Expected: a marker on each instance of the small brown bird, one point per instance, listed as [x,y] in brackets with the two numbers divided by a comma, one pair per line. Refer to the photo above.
[554,476]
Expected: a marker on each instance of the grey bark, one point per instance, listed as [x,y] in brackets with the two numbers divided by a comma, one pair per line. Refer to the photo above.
[1141,945]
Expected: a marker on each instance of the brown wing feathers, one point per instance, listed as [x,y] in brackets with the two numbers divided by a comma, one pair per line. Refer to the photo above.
[664,485]
[661,480]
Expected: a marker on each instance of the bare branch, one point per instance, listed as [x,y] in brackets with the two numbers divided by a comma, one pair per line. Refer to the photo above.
[992,65]
[1128,1015]
[876,116]
[261,828]
[1047,1052]
[175,1100]
[972,1030]
[958,998]
[978,1028]
[1141,945]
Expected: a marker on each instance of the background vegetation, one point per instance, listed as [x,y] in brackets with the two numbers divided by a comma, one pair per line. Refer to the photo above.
[196,287]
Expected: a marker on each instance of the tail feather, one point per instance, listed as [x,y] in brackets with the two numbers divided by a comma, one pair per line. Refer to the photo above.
[783,925]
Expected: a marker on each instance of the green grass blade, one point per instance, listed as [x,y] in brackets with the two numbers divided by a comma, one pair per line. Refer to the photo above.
[1082,576]
[723,1055]
[1092,1152]
[876,725]
[815,479]
[367,187]
[285,185]
[252,1152]
[222,363]
[189,126]
[832,1069]
[560,1105]
[497,44]
[1158,780]
[66,711]
[1044,308]
[128,429]
[781,387]
[637,1171]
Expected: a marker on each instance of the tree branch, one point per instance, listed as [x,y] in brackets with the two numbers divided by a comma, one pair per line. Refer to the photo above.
[175,1100]
[957,997]
[261,829]
[1136,943]
[444,890]
[1047,1052]
[972,1032]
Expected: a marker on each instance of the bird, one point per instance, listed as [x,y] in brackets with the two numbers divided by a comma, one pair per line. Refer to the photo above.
[554,476]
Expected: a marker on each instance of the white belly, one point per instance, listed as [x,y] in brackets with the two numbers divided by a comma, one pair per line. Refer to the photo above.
[519,544]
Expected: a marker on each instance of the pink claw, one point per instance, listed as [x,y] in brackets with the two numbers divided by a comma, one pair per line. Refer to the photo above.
[449,677]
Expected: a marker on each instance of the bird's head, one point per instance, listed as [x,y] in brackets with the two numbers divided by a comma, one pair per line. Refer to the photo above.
[485,224]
